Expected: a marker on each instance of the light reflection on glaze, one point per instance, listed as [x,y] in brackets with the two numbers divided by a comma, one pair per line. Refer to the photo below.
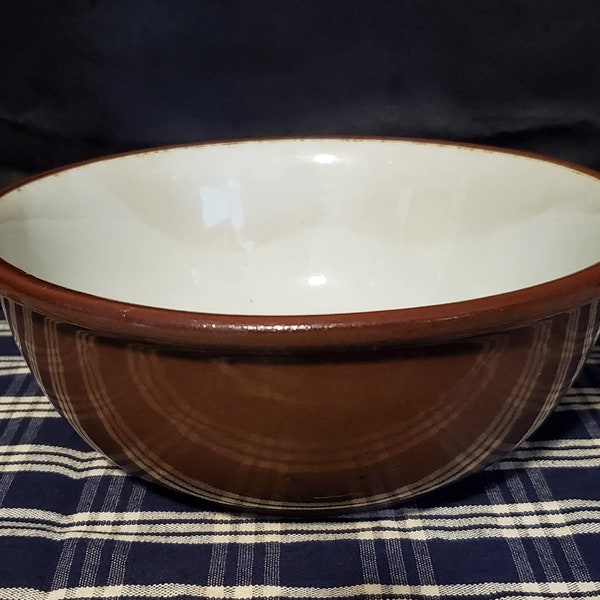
[304,227]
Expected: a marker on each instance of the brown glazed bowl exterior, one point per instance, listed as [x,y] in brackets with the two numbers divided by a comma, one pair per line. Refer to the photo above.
[305,415]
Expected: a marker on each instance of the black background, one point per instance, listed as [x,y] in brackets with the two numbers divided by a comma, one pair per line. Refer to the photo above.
[82,78]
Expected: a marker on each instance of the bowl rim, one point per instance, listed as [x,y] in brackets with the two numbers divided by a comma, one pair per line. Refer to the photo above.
[263,333]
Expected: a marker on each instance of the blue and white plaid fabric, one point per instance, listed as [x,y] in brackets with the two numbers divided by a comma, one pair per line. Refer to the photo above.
[73,526]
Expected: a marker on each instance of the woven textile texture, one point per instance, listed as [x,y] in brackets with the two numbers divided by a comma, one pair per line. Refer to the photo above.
[73,526]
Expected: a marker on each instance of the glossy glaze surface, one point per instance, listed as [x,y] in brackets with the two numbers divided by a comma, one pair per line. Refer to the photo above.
[328,431]
[304,226]
[297,412]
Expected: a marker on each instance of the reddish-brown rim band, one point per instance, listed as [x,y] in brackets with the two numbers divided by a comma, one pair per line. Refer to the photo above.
[254,333]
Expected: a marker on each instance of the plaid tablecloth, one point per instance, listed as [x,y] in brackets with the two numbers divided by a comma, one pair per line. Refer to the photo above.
[73,526]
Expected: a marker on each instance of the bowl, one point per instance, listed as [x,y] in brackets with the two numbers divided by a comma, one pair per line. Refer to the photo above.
[304,326]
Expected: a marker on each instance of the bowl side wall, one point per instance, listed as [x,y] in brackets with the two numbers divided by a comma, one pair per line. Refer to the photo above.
[324,431]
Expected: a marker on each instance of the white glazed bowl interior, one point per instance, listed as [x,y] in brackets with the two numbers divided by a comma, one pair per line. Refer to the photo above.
[292,227]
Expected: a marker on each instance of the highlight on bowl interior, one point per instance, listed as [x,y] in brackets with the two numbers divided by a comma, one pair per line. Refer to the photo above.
[305,325]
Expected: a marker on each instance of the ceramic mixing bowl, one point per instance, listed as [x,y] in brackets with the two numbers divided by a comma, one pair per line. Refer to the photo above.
[305,324]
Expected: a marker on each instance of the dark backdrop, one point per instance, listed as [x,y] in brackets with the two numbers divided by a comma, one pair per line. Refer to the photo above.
[83,78]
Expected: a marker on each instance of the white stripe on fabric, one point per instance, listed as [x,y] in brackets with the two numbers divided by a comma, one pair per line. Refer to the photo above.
[217,565]
[93,552]
[543,548]
[32,429]
[551,454]
[14,407]
[271,567]
[507,521]
[579,391]
[11,370]
[579,404]
[69,472]
[574,445]
[69,544]
[17,401]
[245,564]
[580,398]
[29,414]
[575,453]
[516,545]
[540,463]
[394,555]
[118,563]
[468,513]
[22,387]
[43,452]
[75,464]
[568,543]
[422,556]
[245,559]
[368,558]
[594,356]
[492,590]
[12,360]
